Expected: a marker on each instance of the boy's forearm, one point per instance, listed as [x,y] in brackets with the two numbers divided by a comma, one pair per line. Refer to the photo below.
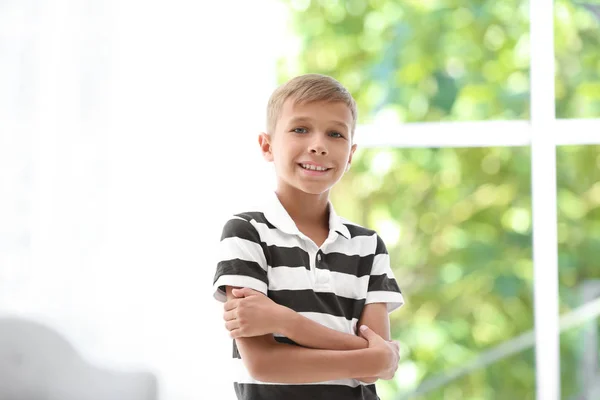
[285,363]
[309,333]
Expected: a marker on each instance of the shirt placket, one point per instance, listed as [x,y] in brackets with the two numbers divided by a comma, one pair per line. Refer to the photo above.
[321,276]
[315,255]
[321,280]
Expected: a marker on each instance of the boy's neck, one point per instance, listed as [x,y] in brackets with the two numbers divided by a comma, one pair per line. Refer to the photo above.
[304,208]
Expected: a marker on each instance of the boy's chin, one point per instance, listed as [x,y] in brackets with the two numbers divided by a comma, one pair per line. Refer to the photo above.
[314,189]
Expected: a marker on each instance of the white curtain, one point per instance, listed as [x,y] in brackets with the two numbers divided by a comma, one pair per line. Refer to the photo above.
[127,134]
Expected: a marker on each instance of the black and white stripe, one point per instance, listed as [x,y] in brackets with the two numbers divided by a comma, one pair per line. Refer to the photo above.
[330,285]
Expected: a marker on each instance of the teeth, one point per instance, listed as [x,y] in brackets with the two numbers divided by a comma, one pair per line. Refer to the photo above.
[313,167]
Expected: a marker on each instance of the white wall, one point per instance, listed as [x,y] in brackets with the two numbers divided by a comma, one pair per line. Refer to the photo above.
[135,139]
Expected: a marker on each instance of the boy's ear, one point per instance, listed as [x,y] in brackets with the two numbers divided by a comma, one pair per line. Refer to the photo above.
[352,150]
[264,140]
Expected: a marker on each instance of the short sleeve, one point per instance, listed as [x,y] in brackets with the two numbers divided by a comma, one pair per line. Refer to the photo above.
[242,259]
[383,287]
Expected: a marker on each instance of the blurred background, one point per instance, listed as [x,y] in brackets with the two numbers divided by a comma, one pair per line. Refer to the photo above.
[128,134]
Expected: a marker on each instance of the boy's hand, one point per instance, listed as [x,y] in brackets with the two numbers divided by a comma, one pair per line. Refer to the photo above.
[252,314]
[389,352]
[368,381]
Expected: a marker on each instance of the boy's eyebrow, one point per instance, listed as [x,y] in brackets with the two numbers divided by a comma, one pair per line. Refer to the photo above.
[297,120]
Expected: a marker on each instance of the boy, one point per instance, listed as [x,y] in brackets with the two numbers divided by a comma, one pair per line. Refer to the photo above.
[296,279]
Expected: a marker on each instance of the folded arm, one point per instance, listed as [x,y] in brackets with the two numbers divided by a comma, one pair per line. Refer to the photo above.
[376,317]
[312,334]
[309,333]
[251,313]
[270,361]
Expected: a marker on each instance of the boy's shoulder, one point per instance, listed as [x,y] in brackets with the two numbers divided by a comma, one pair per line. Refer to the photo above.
[356,229]
[240,223]
[249,216]
[253,210]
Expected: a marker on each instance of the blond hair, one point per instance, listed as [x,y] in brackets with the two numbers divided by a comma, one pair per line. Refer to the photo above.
[307,89]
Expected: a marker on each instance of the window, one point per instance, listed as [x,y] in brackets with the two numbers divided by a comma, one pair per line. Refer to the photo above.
[459,103]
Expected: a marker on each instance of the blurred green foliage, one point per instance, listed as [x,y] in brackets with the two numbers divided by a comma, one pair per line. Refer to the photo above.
[457,222]
[443,60]
[578,181]
[577,47]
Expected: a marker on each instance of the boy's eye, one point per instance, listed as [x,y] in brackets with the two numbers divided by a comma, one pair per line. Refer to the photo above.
[299,130]
[336,134]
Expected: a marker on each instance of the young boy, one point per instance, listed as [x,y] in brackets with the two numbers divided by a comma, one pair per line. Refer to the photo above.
[296,279]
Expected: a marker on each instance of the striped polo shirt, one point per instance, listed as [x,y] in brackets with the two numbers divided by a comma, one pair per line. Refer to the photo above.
[264,250]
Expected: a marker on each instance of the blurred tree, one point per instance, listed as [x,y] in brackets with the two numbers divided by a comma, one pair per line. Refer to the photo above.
[577,44]
[578,247]
[419,61]
[457,222]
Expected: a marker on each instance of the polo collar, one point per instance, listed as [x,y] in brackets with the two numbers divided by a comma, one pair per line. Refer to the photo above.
[277,215]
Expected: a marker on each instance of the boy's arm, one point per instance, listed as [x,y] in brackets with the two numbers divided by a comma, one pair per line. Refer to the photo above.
[312,334]
[376,317]
[270,361]
[383,296]
[255,314]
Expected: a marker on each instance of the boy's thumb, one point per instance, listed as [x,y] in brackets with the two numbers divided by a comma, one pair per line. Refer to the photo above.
[238,292]
[366,331]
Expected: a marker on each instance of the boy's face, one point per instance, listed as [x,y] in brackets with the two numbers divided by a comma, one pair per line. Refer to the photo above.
[307,137]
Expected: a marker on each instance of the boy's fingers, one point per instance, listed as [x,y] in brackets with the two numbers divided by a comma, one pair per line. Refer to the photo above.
[244,292]
[230,304]
[229,315]
[231,325]
[236,333]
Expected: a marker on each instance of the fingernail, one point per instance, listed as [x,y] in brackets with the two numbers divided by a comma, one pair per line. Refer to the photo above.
[363,328]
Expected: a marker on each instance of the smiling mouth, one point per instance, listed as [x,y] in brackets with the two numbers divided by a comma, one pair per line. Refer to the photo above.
[313,168]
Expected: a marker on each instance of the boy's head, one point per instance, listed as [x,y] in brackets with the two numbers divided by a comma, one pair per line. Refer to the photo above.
[309,88]
[310,128]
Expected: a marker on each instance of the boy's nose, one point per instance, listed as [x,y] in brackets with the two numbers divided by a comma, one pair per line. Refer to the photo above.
[318,148]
